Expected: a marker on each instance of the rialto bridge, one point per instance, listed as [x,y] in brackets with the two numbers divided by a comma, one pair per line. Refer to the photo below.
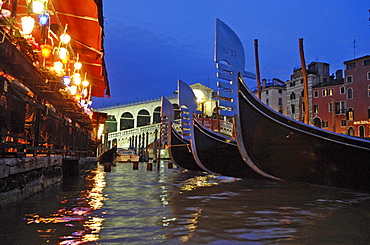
[137,124]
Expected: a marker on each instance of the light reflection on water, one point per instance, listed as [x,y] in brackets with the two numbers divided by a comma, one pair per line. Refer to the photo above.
[170,206]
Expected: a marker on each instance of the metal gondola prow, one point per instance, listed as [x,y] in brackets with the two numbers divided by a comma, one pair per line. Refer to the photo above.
[230,62]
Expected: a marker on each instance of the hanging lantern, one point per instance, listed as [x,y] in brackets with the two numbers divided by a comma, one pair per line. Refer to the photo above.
[73,89]
[44,18]
[77,65]
[65,38]
[85,83]
[38,6]
[27,24]
[46,50]
[77,78]
[58,67]
[64,55]
[67,80]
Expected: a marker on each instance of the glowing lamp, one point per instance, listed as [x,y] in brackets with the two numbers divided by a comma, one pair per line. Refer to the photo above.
[46,50]
[27,24]
[85,83]
[67,80]
[44,19]
[64,55]
[77,78]
[58,67]
[73,89]
[5,13]
[38,6]
[78,97]
[65,38]
[77,65]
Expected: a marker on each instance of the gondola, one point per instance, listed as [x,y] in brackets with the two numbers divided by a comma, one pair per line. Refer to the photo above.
[108,155]
[178,148]
[283,147]
[213,152]
[218,153]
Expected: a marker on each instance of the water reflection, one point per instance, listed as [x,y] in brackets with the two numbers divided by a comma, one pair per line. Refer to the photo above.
[80,214]
[171,206]
[253,211]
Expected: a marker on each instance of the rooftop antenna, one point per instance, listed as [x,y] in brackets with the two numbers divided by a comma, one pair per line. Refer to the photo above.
[354,48]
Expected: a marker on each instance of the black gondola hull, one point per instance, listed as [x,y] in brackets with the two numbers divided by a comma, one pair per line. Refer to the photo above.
[180,152]
[219,154]
[291,150]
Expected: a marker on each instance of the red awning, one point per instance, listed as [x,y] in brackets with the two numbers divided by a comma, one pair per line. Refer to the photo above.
[85,26]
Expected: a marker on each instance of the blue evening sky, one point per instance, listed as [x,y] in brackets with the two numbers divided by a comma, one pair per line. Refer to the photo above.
[149,44]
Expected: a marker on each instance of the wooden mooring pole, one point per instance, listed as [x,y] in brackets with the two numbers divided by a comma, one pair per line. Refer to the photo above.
[258,76]
[305,84]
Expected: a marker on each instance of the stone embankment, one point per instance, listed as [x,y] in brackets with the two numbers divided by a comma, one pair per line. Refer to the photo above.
[23,177]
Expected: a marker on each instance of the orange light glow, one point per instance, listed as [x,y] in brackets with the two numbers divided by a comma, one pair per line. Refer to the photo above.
[46,50]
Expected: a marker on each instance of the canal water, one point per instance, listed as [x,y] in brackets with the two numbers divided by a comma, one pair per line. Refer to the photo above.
[170,206]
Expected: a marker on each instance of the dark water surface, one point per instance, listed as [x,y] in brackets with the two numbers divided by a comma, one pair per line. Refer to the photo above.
[170,206]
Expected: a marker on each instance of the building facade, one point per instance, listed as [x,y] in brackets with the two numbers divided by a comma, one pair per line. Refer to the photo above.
[357,85]
[317,72]
[329,104]
[273,94]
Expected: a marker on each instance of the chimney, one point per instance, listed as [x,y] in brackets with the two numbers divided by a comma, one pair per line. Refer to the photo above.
[339,74]
[263,83]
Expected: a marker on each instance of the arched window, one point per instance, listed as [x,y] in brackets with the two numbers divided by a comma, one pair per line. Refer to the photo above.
[361,131]
[111,123]
[292,96]
[143,118]
[351,131]
[317,122]
[177,111]
[350,114]
[280,101]
[127,121]
[157,115]
[350,93]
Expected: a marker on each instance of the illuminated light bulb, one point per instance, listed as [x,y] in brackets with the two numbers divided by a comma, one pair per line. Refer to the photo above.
[73,89]
[78,97]
[67,80]
[65,38]
[77,65]
[46,50]
[5,13]
[85,83]
[37,6]
[44,18]
[77,78]
[27,24]
[58,67]
[64,55]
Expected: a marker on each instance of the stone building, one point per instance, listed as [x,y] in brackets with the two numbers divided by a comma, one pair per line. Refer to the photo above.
[273,94]
[317,72]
